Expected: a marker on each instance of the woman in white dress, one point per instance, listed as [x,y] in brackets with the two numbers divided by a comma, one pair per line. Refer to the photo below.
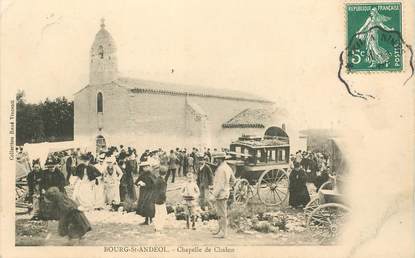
[84,182]
[112,177]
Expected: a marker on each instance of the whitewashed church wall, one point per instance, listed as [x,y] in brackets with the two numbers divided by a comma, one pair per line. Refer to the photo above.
[155,114]
[156,120]
[219,111]
[86,122]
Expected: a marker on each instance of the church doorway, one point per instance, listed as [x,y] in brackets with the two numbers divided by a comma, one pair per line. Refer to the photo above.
[100,144]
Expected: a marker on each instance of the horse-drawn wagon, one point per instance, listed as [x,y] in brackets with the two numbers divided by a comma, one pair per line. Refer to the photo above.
[261,167]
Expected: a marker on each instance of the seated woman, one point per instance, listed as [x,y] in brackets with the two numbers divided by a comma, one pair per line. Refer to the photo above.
[72,222]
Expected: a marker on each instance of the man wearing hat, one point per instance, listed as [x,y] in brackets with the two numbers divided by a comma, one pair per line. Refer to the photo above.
[52,176]
[222,182]
[172,163]
[204,181]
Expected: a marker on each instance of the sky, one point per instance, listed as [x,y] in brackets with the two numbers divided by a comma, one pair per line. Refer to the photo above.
[274,50]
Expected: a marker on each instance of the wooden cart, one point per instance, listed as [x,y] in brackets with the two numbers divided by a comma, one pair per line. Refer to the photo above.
[261,167]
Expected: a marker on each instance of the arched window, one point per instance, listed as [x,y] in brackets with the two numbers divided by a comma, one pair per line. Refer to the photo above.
[101,52]
[100,103]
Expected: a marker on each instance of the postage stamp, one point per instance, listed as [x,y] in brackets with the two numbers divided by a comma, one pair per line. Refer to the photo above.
[374,37]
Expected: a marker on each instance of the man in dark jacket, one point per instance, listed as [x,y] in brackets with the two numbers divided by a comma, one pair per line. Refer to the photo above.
[172,166]
[184,162]
[204,181]
[52,176]
[179,162]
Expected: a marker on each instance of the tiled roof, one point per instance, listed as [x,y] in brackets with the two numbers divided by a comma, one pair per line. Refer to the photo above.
[145,86]
[264,142]
[251,118]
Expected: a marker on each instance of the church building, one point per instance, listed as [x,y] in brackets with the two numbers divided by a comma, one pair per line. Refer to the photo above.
[113,110]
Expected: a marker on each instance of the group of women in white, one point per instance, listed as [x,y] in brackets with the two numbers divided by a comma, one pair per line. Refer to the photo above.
[95,186]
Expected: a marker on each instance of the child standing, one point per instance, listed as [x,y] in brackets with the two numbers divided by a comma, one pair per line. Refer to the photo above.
[160,187]
[190,193]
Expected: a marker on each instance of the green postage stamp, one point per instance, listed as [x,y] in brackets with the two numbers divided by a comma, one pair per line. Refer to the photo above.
[374,37]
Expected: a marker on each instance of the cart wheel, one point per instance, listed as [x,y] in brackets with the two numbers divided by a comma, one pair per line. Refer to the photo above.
[242,192]
[311,206]
[326,186]
[326,220]
[272,187]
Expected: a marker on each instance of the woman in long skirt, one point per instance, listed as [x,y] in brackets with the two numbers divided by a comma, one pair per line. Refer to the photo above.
[299,195]
[112,177]
[146,198]
[127,189]
[84,186]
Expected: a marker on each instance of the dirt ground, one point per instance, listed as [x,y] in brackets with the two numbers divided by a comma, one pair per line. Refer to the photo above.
[123,229]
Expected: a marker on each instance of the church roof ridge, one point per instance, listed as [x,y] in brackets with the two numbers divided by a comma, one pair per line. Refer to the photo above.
[149,86]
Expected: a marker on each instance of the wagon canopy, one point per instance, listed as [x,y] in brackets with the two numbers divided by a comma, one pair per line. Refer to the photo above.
[275,131]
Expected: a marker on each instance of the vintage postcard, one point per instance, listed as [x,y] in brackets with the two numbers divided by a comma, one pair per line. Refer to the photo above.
[207,128]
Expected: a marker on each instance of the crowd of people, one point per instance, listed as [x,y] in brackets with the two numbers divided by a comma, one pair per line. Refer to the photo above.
[73,182]
[118,180]
[306,167]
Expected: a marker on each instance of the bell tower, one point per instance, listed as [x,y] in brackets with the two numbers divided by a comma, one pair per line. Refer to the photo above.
[103,67]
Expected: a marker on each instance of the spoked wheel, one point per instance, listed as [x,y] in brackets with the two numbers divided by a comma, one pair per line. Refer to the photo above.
[311,206]
[327,186]
[326,220]
[242,192]
[272,187]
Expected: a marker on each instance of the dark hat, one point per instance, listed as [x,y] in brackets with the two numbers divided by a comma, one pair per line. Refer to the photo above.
[36,161]
[51,162]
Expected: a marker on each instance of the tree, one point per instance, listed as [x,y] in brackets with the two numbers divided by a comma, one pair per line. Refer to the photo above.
[50,120]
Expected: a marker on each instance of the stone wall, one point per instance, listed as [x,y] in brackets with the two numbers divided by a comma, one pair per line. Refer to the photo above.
[147,120]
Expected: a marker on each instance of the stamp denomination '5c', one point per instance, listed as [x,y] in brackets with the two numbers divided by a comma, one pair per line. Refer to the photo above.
[374,37]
